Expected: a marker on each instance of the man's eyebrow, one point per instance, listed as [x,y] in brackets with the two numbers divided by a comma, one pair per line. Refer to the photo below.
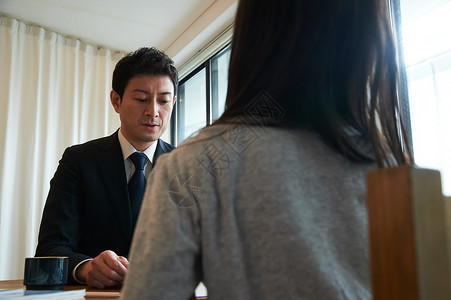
[141,91]
[146,92]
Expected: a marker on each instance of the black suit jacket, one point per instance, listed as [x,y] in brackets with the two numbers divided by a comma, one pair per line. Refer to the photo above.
[88,209]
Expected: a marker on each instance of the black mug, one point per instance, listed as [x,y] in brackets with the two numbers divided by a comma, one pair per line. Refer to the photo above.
[46,273]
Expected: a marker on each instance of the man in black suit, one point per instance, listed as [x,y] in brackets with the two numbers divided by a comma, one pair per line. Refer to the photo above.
[88,215]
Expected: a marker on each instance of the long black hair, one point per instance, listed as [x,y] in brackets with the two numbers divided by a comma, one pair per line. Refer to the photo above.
[329,66]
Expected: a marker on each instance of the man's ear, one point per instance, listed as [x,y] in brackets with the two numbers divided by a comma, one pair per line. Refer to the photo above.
[115,100]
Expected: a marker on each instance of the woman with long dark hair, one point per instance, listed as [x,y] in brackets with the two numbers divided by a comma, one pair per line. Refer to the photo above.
[269,201]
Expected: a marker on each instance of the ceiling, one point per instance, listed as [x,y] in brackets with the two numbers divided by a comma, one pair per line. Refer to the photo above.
[169,25]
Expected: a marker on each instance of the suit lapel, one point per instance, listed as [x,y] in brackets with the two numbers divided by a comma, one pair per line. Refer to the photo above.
[110,162]
[162,147]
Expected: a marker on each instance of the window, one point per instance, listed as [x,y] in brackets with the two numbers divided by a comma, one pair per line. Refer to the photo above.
[201,96]
[426,43]
[192,105]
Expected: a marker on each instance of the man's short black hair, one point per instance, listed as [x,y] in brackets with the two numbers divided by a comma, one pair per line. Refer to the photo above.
[144,61]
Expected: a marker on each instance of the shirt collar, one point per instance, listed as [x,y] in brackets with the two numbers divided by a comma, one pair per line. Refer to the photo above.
[128,149]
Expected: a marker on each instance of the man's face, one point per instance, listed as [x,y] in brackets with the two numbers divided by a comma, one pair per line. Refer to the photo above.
[145,109]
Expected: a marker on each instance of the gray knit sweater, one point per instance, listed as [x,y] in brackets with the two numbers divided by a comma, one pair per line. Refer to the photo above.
[255,213]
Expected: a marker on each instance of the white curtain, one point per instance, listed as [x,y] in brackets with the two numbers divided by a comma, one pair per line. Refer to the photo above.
[54,92]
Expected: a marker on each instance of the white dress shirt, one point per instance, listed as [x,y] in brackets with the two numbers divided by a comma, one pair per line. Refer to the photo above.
[128,149]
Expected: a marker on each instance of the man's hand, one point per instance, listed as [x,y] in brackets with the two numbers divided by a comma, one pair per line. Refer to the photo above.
[105,270]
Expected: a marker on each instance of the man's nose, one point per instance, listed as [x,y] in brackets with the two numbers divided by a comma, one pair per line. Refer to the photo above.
[152,109]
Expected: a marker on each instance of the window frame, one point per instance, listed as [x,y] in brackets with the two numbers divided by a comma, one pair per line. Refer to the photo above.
[206,64]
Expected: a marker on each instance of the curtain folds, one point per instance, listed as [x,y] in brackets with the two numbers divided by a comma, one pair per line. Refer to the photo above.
[54,92]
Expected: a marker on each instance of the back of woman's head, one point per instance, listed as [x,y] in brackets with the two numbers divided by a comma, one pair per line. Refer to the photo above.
[329,66]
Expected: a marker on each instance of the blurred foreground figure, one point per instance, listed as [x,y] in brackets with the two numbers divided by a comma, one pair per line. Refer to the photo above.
[269,201]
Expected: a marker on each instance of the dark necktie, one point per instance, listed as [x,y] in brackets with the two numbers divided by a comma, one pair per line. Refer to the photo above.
[137,184]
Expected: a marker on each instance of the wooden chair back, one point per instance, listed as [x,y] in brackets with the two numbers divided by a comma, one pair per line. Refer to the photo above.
[408,235]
